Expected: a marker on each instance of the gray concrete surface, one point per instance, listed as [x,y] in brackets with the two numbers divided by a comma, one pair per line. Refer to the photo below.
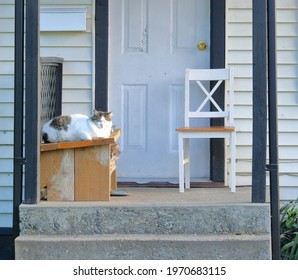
[149,223]
[144,247]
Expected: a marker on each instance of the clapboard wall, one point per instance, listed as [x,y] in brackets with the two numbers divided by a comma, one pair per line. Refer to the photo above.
[239,56]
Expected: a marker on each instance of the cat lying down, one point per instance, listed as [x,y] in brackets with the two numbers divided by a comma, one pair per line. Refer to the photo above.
[77,127]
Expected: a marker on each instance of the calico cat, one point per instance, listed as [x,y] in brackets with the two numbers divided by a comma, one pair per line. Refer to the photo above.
[77,127]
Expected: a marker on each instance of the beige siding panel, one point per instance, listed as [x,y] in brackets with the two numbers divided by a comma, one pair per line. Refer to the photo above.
[288,193]
[240,43]
[71,54]
[240,28]
[239,5]
[287,57]
[287,126]
[77,82]
[6,152]
[6,53]
[286,29]
[75,96]
[77,68]
[245,125]
[239,56]
[57,39]
[289,180]
[287,85]
[287,4]
[6,110]
[287,43]
[76,50]
[243,84]
[6,95]
[6,220]
[6,165]
[236,17]
[287,71]
[6,82]
[285,16]
[7,68]
[243,98]
[7,39]
[65,2]
[6,207]
[5,192]
[6,25]
[7,11]
[244,111]
[6,138]
[83,108]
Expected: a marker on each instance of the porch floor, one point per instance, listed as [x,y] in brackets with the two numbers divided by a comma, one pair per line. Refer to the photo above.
[170,196]
[193,196]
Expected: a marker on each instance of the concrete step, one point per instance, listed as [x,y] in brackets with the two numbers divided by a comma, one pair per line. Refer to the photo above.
[143,246]
[93,219]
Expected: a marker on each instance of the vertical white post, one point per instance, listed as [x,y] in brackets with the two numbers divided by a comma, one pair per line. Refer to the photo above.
[181,163]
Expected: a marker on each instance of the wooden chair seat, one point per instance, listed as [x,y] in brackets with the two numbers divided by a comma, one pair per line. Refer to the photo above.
[207,129]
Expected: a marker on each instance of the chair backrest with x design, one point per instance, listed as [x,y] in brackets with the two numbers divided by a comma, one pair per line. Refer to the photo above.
[219,76]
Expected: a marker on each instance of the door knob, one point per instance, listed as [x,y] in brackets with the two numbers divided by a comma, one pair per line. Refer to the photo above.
[202,45]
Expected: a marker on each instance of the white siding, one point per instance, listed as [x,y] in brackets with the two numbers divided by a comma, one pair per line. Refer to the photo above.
[6,110]
[77,50]
[239,56]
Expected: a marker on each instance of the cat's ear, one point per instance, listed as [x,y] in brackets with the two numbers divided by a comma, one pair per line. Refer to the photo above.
[109,116]
[97,113]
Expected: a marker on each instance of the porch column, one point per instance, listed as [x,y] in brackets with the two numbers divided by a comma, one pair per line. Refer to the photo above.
[18,114]
[32,123]
[259,101]
[101,54]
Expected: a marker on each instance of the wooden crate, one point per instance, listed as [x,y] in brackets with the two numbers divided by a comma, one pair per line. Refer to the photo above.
[79,171]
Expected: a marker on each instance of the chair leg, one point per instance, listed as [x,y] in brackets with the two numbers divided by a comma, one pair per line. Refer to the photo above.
[232,177]
[181,163]
[187,163]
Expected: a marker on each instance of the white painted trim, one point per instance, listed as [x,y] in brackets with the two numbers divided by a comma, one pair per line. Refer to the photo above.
[63,19]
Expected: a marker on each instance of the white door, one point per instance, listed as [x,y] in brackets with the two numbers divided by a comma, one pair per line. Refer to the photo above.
[151,44]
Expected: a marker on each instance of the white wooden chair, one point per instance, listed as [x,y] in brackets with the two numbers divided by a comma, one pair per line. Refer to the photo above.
[198,76]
